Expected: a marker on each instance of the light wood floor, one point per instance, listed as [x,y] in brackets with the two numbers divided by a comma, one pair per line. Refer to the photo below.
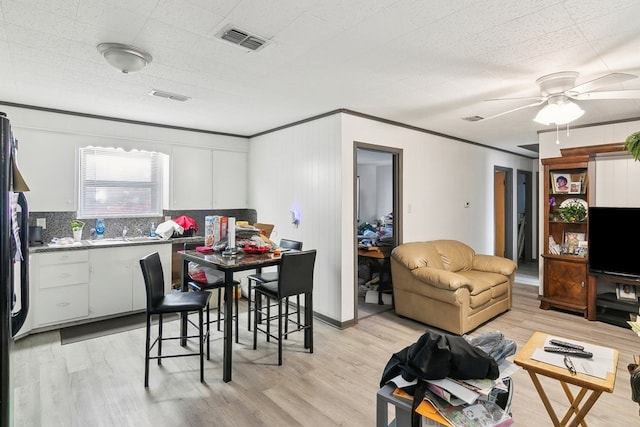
[99,382]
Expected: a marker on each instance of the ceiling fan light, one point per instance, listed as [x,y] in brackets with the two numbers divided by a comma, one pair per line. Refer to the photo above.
[560,114]
[126,58]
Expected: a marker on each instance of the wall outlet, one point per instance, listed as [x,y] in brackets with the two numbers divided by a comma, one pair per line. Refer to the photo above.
[42,222]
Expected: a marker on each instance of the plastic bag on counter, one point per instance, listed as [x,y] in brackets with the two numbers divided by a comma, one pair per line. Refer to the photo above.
[189,225]
[205,274]
[166,229]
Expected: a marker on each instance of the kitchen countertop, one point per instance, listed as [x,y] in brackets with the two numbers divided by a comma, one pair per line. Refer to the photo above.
[86,245]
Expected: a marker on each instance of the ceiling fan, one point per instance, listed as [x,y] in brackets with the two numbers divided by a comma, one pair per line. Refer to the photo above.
[558,89]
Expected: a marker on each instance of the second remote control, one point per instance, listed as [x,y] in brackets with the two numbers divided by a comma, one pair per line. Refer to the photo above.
[566,344]
[569,351]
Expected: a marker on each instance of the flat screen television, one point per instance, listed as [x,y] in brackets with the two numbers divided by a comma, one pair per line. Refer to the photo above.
[612,235]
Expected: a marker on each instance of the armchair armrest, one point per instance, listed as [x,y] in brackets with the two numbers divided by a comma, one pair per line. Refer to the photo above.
[443,279]
[494,264]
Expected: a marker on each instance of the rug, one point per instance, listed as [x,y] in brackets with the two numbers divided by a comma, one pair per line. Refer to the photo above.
[102,328]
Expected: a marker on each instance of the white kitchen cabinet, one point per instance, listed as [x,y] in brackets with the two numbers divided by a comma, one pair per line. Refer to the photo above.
[48,163]
[191,178]
[60,281]
[116,284]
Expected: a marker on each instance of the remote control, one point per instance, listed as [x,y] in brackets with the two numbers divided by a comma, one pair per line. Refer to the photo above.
[569,351]
[566,344]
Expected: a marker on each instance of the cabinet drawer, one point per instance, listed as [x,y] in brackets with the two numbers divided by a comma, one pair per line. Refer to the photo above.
[52,276]
[62,304]
[63,257]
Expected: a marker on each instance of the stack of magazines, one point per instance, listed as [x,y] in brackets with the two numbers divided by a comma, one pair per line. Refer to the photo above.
[466,403]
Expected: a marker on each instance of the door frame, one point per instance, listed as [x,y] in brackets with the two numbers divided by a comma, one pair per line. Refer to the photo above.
[397,173]
[508,210]
[529,226]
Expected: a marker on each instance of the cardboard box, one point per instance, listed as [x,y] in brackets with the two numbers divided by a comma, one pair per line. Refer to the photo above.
[265,229]
[215,229]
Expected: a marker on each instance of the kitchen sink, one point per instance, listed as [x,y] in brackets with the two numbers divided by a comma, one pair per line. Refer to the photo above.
[121,241]
[143,239]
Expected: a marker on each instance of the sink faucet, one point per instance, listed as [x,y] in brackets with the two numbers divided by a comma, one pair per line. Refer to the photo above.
[124,232]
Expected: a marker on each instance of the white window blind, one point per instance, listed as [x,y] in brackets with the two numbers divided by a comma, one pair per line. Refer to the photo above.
[119,183]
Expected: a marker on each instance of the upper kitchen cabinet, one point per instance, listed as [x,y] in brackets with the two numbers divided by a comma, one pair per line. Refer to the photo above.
[48,163]
[203,178]
[229,180]
[191,178]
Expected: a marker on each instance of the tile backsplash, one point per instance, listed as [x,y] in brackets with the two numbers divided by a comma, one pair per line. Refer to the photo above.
[59,223]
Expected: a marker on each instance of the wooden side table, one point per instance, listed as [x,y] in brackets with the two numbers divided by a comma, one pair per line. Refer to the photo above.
[380,253]
[590,387]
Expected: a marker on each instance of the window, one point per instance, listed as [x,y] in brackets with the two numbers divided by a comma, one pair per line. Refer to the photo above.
[119,183]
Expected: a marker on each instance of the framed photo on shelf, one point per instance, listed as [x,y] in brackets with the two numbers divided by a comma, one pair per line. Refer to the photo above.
[560,182]
[573,238]
[626,292]
[574,187]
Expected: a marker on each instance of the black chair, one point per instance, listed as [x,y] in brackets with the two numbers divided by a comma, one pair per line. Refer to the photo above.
[271,276]
[295,278]
[178,302]
[216,284]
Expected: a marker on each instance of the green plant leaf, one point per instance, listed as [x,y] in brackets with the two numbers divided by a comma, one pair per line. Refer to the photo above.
[632,145]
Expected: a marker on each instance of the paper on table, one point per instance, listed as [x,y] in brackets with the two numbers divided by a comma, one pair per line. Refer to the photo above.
[427,410]
[468,396]
[598,366]
[401,382]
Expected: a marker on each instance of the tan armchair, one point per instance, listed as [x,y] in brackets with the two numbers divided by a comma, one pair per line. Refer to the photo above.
[444,283]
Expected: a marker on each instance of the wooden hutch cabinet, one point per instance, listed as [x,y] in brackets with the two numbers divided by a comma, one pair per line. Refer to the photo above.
[564,251]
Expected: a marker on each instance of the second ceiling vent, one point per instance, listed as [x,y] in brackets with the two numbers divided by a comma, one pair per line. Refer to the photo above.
[241,38]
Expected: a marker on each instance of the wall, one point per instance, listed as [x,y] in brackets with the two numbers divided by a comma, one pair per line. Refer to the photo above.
[48,144]
[440,174]
[376,192]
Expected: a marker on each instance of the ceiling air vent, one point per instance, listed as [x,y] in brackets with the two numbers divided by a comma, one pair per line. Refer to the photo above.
[169,95]
[241,38]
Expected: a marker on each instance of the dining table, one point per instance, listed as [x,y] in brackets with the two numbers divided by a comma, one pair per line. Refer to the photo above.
[229,264]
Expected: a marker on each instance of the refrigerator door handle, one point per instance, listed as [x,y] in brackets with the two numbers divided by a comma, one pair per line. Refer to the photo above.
[18,318]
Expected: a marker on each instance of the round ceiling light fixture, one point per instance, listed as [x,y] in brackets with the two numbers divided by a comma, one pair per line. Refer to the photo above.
[126,58]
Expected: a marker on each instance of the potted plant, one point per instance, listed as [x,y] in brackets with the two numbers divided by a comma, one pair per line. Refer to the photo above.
[632,145]
[574,212]
[77,226]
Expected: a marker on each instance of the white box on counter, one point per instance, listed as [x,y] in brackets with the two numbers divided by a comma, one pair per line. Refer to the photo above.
[215,229]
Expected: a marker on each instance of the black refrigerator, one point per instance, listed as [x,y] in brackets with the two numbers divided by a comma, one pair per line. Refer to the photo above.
[14,251]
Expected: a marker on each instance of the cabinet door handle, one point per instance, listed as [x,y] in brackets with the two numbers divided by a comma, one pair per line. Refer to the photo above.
[63,304]
[582,283]
[64,275]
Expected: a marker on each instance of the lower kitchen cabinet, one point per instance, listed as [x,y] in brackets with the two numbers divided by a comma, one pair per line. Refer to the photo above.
[61,284]
[117,285]
[77,286]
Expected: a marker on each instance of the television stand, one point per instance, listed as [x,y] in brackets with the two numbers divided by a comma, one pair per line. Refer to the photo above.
[604,305]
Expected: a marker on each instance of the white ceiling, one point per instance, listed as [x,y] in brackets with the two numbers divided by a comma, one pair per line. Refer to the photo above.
[424,63]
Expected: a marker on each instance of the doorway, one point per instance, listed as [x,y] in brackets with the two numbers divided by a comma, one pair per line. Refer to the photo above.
[377,224]
[503,211]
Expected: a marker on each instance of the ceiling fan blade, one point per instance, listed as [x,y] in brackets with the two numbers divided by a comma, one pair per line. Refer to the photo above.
[607,80]
[533,98]
[612,94]
[513,110]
